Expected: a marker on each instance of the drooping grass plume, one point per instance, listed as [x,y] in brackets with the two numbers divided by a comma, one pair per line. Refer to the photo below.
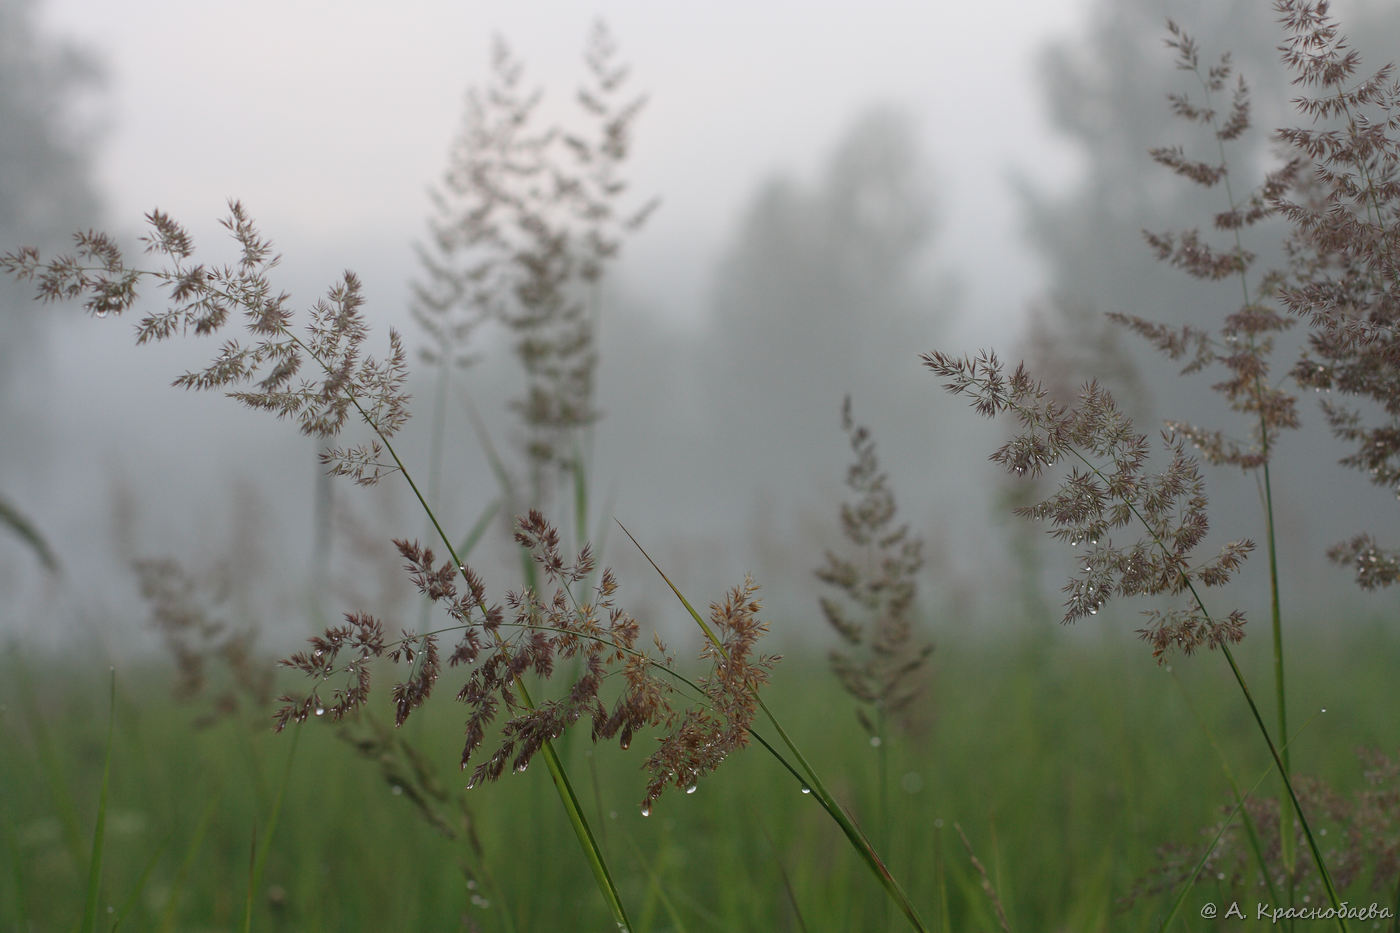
[1344,255]
[1244,344]
[532,635]
[1107,488]
[202,299]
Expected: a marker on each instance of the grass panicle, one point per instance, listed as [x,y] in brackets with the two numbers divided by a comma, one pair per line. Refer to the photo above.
[528,218]
[877,589]
[1108,487]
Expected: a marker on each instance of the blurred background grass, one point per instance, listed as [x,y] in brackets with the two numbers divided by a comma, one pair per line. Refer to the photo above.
[1067,756]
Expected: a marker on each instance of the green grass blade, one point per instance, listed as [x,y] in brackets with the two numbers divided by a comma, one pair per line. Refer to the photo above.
[11,518]
[99,832]
[129,903]
[1215,841]
[479,528]
[257,861]
[811,782]
[177,886]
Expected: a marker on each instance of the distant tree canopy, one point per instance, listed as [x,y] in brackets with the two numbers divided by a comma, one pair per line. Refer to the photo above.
[45,187]
[813,270]
[819,296]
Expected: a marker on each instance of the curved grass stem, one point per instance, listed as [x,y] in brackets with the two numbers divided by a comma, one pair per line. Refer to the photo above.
[806,774]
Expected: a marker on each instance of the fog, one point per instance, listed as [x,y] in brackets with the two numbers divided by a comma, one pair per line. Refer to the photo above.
[839,191]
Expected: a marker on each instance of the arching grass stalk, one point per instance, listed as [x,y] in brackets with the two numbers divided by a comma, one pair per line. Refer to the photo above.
[805,773]
[1253,326]
[1239,811]
[568,797]
[351,385]
[1275,751]
[1169,506]
[99,831]
[257,861]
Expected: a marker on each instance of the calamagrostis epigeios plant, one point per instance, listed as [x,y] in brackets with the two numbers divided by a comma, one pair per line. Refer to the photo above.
[262,372]
[263,375]
[1244,343]
[1338,194]
[526,221]
[1108,487]
[1245,338]
[1344,255]
[880,665]
[1363,842]
[530,635]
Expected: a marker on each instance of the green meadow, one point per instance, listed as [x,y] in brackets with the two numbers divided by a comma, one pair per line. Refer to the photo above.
[1067,759]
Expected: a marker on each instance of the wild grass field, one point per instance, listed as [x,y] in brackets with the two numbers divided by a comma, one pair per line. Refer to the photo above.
[923,774]
[1066,761]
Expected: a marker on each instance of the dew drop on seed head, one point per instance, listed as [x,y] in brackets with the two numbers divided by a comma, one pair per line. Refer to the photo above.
[320,711]
[690,789]
[520,768]
[317,653]
[646,810]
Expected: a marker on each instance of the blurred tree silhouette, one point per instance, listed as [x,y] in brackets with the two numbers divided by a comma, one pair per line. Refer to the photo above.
[45,191]
[45,194]
[819,296]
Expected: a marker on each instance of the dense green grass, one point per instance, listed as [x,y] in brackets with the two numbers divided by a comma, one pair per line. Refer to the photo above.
[1067,760]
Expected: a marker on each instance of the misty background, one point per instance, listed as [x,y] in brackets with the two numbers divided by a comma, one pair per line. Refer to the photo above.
[840,190]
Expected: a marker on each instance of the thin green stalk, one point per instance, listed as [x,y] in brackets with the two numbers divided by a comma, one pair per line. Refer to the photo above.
[257,861]
[810,781]
[1256,846]
[435,445]
[99,832]
[572,806]
[177,886]
[787,882]
[1275,603]
[134,895]
[1240,811]
[1258,716]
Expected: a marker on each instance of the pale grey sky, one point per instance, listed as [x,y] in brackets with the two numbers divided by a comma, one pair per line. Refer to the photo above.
[329,119]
